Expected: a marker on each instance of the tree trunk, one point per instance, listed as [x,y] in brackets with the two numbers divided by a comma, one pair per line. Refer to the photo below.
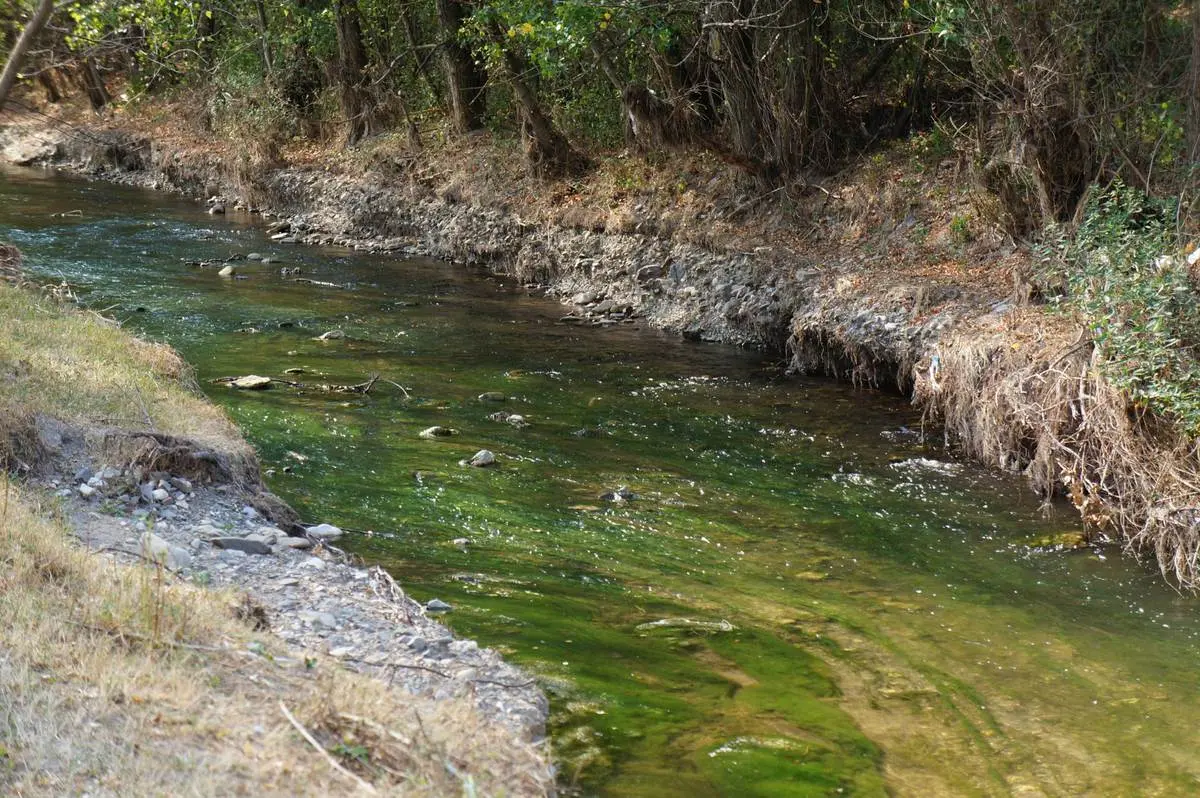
[1193,93]
[46,78]
[264,32]
[740,81]
[93,83]
[206,35]
[38,21]
[355,95]
[547,151]
[464,79]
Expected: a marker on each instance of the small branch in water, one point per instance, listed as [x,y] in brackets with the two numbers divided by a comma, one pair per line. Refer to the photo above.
[403,390]
[321,283]
[362,387]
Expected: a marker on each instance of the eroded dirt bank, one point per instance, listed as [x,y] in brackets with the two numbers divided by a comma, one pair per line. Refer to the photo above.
[1016,387]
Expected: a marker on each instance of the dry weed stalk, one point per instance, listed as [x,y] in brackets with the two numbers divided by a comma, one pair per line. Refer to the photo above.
[1043,407]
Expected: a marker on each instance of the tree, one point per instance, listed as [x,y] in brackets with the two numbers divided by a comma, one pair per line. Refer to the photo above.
[33,27]
[1193,89]
[464,79]
[354,93]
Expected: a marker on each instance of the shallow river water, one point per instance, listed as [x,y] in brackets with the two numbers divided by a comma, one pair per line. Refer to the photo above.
[803,599]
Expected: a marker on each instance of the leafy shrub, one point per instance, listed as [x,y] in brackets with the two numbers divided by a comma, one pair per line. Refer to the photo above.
[1122,270]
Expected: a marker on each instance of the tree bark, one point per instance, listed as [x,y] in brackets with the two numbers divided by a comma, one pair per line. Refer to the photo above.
[264,32]
[547,151]
[93,83]
[355,95]
[206,35]
[32,28]
[464,79]
[1193,93]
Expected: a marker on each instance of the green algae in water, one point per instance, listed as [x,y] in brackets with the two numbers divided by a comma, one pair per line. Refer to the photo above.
[869,620]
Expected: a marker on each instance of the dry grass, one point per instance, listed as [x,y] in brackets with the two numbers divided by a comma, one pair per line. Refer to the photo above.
[1028,395]
[118,680]
[83,369]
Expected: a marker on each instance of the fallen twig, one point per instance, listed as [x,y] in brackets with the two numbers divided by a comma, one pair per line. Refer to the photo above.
[333,763]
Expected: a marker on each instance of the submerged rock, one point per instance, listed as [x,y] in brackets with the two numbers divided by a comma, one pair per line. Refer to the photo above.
[437,432]
[437,605]
[331,335]
[687,623]
[492,396]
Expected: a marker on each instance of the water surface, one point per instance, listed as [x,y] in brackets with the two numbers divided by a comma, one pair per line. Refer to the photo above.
[803,599]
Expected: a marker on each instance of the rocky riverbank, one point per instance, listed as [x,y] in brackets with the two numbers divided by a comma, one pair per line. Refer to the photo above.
[860,293]
[300,588]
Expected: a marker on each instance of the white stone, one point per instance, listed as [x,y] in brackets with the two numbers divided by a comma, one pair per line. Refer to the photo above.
[325,532]
[86,491]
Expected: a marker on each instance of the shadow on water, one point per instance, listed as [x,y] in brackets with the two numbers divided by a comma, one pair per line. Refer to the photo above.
[802,599]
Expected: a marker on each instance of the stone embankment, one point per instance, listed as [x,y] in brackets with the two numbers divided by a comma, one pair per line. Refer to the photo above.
[300,587]
[824,314]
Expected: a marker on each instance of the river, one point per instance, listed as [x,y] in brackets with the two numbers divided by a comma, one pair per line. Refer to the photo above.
[802,599]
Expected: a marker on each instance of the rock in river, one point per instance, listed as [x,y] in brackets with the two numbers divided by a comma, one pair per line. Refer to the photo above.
[227,271]
[437,432]
[331,335]
[492,396]
[252,382]
[621,494]
[324,532]
[482,459]
[437,605]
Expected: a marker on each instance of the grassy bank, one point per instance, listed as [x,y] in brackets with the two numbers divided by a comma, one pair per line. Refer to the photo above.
[126,680]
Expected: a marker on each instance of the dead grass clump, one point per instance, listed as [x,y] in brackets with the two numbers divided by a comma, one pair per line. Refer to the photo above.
[20,447]
[119,680]
[1041,404]
[10,263]
[154,451]
[58,361]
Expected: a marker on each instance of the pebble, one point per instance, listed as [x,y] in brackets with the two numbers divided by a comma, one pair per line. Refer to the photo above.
[87,491]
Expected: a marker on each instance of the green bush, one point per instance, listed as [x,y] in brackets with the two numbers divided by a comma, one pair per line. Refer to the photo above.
[1123,271]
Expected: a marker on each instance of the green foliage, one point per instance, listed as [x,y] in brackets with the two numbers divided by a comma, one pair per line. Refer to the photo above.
[1122,271]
